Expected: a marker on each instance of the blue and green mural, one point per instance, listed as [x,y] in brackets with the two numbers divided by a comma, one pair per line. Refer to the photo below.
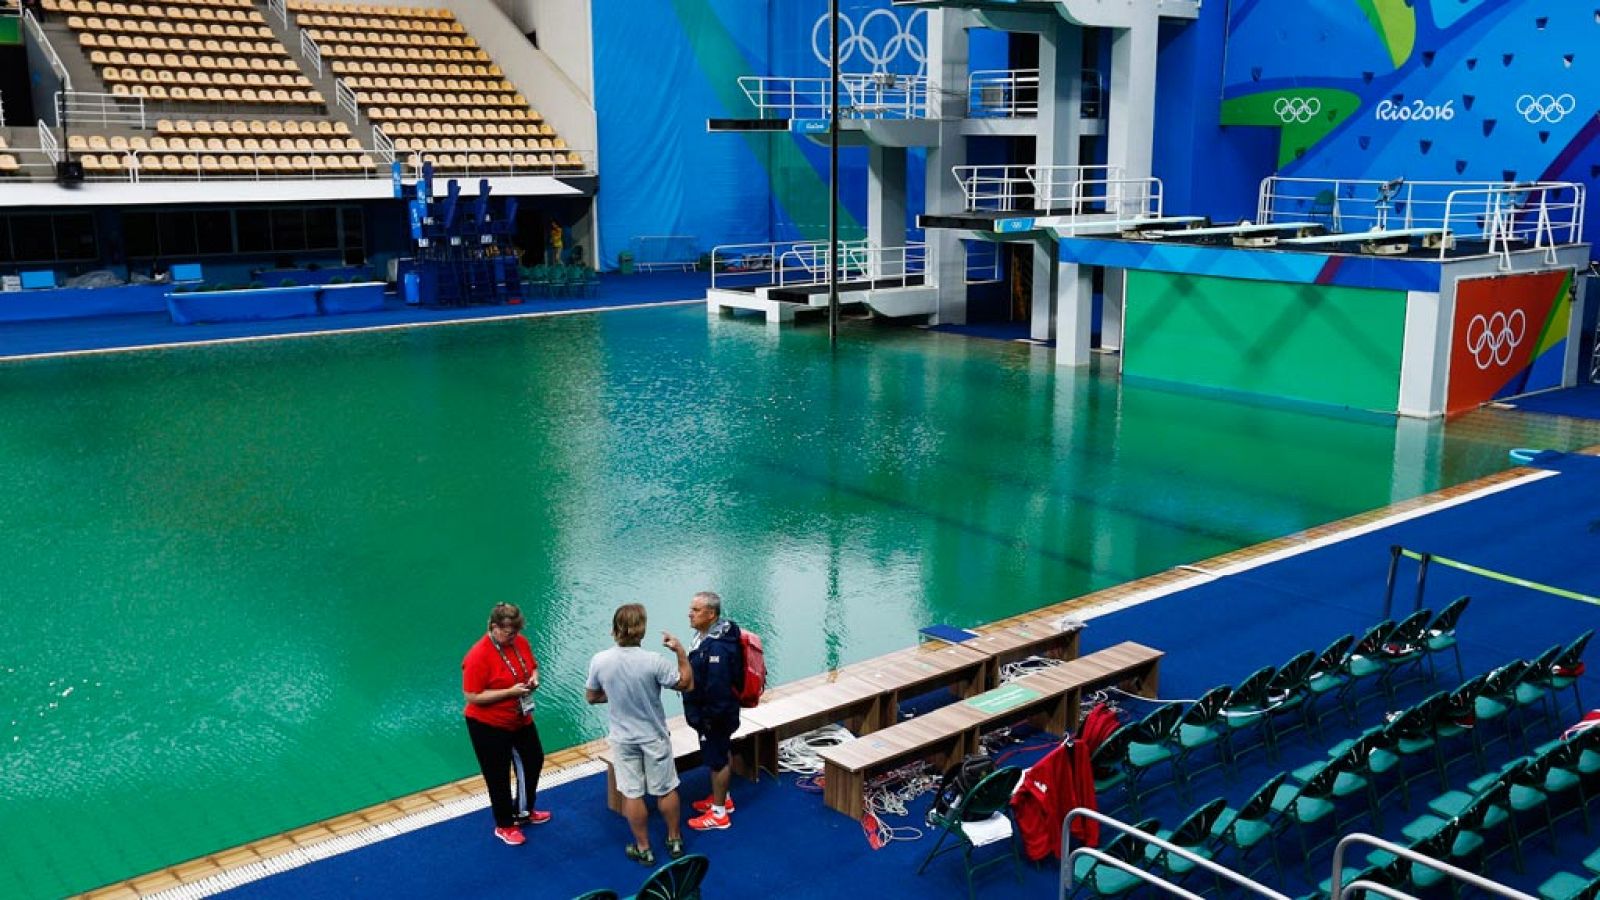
[662,69]
[1420,89]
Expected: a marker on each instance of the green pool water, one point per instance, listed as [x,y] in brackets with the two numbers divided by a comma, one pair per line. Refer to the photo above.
[236,582]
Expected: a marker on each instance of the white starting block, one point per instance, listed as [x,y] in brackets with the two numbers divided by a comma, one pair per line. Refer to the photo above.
[1381,242]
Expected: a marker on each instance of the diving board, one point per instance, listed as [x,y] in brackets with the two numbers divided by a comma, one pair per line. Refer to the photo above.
[1220,230]
[1381,240]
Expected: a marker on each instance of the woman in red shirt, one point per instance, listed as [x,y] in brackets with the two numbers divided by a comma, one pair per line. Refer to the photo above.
[498,678]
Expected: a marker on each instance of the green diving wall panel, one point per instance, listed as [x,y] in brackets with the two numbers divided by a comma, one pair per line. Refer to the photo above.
[1317,343]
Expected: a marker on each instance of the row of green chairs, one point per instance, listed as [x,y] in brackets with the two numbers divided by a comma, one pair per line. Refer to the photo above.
[1173,735]
[986,800]
[677,880]
[561,280]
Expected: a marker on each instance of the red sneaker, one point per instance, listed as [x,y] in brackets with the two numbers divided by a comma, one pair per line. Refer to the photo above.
[537,817]
[512,836]
[710,822]
[701,806]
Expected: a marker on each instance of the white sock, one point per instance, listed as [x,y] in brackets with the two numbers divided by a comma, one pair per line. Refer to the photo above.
[718,810]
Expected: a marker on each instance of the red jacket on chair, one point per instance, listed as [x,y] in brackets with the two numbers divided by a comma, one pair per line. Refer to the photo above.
[1059,783]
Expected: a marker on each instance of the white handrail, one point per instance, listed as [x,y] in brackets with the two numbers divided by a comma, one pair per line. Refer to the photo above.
[1472,878]
[282,9]
[382,145]
[862,96]
[48,143]
[310,50]
[1544,214]
[344,98]
[79,108]
[43,40]
[1068,856]
[1012,188]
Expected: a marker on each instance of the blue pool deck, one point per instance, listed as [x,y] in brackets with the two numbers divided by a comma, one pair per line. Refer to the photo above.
[1218,620]
[109,333]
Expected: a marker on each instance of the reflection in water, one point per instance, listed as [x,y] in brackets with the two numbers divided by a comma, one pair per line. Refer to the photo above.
[242,578]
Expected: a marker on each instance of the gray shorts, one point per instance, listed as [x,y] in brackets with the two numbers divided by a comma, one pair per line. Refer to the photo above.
[645,768]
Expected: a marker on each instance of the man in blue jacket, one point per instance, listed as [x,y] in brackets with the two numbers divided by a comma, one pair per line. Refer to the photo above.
[712,707]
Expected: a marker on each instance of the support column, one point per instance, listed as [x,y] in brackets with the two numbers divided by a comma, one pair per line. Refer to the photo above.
[1112,306]
[886,207]
[1060,94]
[1074,290]
[947,65]
[1131,106]
[1042,322]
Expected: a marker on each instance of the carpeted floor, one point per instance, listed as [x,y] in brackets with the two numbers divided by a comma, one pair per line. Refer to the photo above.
[153,329]
[1581,402]
[785,843]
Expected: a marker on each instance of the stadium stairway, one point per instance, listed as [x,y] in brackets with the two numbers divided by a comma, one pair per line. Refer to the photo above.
[79,69]
[290,35]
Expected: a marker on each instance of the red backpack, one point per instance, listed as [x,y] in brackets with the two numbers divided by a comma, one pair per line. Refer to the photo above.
[755,670]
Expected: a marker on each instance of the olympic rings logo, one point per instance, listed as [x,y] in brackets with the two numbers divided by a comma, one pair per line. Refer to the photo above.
[1492,339]
[1546,107]
[1297,109]
[879,40]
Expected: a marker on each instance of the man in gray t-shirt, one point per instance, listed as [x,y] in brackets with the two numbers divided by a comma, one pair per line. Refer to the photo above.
[629,679]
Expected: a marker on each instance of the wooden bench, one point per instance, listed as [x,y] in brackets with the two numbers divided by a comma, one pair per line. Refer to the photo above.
[686,754]
[860,705]
[1008,645]
[948,733]
[912,673]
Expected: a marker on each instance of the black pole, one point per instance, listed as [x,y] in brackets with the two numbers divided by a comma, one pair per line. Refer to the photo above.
[833,182]
[1388,589]
[1422,579]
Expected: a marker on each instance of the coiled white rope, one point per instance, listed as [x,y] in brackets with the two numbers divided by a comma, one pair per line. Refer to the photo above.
[799,754]
[1011,671]
[891,793]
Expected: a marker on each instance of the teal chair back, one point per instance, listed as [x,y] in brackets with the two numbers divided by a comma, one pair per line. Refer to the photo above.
[1157,727]
[1371,643]
[1449,617]
[677,880]
[989,796]
[1291,676]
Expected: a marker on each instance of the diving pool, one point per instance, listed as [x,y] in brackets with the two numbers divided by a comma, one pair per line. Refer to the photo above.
[237,582]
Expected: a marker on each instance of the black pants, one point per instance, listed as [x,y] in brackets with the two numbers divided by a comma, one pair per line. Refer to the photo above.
[497,750]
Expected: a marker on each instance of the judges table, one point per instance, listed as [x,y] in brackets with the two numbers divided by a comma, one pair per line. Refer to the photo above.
[946,734]
[860,705]
[1008,645]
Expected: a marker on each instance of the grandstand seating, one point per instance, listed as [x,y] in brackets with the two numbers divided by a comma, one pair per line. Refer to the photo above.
[188,51]
[444,100]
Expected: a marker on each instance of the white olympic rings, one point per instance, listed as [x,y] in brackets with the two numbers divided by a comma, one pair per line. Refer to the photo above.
[1492,339]
[1546,107]
[854,41]
[1297,109]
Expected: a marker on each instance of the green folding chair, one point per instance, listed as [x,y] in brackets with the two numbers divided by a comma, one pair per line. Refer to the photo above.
[972,821]
[1496,702]
[1255,823]
[1567,886]
[1459,717]
[1201,726]
[1247,710]
[1150,745]
[1534,687]
[1192,834]
[1109,881]
[1109,763]
[677,880]
[1405,649]
[1564,778]
[1308,803]
[1328,677]
[1415,876]
[1569,667]
[1366,660]
[1478,816]
[1288,692]
[1442,634]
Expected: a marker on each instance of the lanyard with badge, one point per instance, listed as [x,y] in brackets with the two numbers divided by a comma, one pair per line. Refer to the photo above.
[526,700]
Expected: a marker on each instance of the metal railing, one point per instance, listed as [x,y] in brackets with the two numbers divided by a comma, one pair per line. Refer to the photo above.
[1014,94]
[312,53]
[735,266]
[344,98]
[1069,858]
[80,108]
[1543,214]
[282,9]
[1018,188]
[43,40]
[983,262]
[665,251]
[49,145]
[382,145]
[1337,890]
[861,96]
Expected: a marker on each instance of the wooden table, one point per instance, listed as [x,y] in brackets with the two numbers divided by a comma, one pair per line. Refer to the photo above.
[1008,645]
[860,705]
[942,736]
[918,672]
[952,731]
